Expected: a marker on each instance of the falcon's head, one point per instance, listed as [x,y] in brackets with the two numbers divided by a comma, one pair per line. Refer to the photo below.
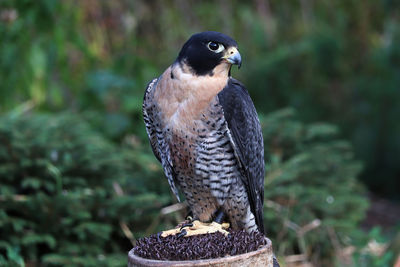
[205,51]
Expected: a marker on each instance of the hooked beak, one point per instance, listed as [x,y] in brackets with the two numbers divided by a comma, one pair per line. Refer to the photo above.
[232,55]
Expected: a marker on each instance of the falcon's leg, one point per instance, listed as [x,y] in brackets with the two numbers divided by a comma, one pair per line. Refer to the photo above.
[187,222]
[179,229]
[219,216]
[197,227]
[189,216]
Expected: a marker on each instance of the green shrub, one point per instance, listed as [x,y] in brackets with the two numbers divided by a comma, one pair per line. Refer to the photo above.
[312,196]
[65,191]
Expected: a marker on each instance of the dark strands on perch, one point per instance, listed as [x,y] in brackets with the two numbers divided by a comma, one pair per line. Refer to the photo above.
[207,246]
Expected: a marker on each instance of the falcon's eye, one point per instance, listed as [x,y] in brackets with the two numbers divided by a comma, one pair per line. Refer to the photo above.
[215,47]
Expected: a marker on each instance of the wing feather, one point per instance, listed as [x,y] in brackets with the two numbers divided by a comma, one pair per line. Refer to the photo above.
[247,140]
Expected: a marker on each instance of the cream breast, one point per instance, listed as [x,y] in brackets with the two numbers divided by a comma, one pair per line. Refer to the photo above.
[182,96]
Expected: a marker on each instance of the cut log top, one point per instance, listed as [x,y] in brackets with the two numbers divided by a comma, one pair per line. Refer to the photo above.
[262,257]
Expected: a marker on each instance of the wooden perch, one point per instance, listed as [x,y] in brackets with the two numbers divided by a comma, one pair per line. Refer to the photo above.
[262,257]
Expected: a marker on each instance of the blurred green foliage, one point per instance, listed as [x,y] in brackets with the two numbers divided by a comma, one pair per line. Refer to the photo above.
[65,191]
[311,189]
[375,252]
[335,61]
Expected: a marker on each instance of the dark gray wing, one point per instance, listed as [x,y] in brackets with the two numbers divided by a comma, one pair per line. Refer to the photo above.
[246,137]
[156,135]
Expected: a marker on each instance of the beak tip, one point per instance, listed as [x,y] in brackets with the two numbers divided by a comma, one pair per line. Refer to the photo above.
[236,59]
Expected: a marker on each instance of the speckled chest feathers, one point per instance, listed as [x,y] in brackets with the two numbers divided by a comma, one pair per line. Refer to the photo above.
[191,133]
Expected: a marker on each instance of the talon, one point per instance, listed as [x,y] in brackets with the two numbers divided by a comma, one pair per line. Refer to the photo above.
[182,233]
[159,235]
[200,228]
[197,228]
[190,224]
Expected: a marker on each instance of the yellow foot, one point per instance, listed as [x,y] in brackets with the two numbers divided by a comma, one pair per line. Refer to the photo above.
[198,228]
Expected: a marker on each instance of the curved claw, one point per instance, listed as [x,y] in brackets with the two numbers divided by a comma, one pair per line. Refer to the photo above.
[197,228]
[159,235]
[182,233]
[189,224]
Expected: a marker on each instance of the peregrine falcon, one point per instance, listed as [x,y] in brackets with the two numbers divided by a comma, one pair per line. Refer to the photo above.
[204,129]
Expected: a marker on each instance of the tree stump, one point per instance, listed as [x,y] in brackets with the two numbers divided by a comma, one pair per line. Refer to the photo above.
[262,257]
